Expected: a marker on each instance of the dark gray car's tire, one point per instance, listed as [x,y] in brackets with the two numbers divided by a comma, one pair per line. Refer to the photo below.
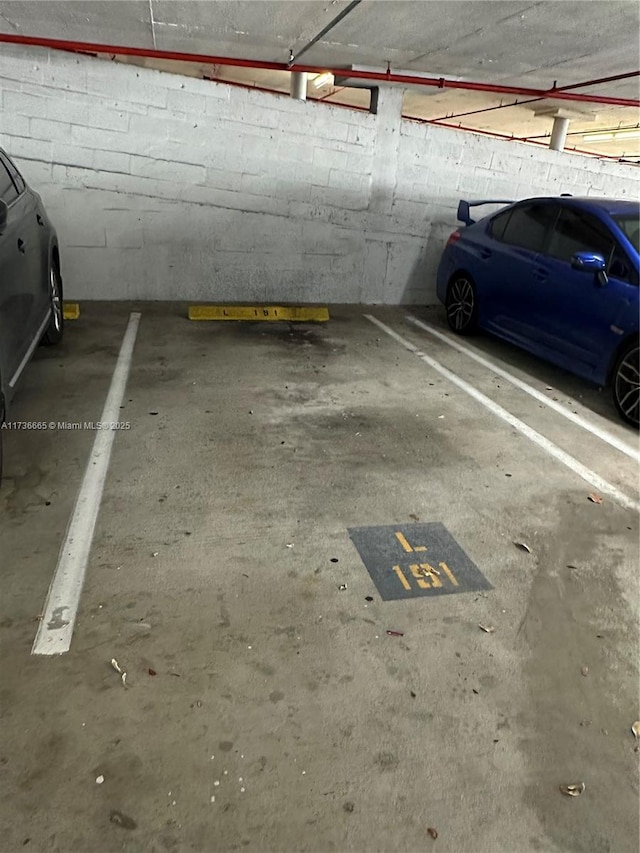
[461,304]
[55,329]
[625,384]
[3,411]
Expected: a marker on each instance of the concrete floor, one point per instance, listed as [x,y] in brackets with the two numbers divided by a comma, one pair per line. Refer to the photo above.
[269,677]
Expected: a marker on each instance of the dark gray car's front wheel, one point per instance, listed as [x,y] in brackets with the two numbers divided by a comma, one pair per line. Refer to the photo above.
[2,417]
[626,384]
[55,329]
[462,305]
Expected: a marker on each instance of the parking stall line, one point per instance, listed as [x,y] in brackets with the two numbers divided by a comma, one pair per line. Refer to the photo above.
[602,434]
[552,449]
[56,627]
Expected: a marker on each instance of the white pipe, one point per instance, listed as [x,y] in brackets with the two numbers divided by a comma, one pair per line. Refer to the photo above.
[559,133]
[299,85]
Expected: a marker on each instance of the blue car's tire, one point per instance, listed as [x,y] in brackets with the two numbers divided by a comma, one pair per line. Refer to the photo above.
[625,385]
[461,304]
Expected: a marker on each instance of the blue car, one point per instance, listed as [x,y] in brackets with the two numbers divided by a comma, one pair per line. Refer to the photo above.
[558,277]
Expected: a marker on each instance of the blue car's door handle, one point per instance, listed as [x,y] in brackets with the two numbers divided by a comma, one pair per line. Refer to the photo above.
[21,246]
[541,274]
[485,254]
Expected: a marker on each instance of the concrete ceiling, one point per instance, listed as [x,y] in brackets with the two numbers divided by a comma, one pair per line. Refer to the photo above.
[532,44]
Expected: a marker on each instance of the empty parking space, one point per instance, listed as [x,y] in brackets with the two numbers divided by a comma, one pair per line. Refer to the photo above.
[303,547]
[275,698]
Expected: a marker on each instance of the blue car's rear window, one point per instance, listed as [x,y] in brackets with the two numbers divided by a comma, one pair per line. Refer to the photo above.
[630,226]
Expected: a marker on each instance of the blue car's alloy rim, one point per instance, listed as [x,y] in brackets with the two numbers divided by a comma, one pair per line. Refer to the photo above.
[461,303]
[627,385]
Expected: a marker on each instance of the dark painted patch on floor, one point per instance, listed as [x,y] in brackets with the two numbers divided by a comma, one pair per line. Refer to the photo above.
[406,561]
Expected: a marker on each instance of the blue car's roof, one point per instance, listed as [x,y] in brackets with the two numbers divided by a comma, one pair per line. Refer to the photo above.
[612,206]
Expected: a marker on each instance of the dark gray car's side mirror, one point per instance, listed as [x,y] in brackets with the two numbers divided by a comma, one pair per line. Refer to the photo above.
[4,210]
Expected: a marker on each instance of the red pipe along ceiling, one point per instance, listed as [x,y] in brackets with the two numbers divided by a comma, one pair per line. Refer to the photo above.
[380,76]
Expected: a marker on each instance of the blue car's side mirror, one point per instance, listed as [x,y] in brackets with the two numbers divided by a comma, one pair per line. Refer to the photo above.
[591,262]
[588,261]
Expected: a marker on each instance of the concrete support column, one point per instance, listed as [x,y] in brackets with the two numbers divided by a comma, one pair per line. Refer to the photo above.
[299,85]
[384,164]
[559,133]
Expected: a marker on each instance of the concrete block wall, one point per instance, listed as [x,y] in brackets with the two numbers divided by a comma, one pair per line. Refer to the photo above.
[167,187]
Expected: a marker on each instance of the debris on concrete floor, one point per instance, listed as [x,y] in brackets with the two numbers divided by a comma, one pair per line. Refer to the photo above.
[523,546]
[395,633]
[573,790]
[123,820]
[120,671]
[594,498]
[433,832]
[489,629]
[99,780]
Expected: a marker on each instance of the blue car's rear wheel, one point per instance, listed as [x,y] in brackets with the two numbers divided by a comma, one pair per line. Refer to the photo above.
[462,305]
[626,384]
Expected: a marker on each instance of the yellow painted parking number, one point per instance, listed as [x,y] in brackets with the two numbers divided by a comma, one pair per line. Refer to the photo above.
[421,571]
[425,575]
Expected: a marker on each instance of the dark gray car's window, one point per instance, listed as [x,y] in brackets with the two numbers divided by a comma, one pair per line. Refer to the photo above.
[528,225]
[15,174]
[8,191]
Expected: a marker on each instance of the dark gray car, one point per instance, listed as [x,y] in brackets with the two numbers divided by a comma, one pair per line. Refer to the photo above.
[30,281]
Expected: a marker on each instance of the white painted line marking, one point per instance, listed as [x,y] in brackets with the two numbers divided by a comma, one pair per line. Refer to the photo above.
[552,449]
[56,628]
[602,434]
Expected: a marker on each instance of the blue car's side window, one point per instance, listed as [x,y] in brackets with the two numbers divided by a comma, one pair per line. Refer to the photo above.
[620,267]
[528,225]
[498,224]
[576,231]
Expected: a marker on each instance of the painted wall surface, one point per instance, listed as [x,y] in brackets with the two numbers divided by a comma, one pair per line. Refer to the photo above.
[168,187]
